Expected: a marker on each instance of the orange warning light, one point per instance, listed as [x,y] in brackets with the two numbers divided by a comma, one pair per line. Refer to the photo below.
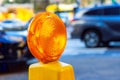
[46,37]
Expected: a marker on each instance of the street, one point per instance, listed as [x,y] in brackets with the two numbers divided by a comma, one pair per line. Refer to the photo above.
[89,63]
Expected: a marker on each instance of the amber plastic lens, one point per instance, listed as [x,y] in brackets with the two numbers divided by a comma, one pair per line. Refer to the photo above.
[46,37]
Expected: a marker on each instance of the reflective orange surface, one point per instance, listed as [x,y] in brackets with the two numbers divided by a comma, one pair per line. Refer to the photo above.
[46,37]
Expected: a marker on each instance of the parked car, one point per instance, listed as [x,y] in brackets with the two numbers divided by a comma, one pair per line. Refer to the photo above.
[13,48]
[12,24]
[28,23]
[97,25]
[64,15]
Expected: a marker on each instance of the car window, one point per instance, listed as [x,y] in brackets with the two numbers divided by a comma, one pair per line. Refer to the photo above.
[7,21]
[111,11]
[80,13]
[94,12]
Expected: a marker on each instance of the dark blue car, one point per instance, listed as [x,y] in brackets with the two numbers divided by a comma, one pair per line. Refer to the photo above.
[13,48]
[97,25]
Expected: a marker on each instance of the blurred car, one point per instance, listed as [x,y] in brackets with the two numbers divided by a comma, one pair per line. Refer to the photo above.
[64,16]
[28,22]
[97,25]
[12,24]
[13,48]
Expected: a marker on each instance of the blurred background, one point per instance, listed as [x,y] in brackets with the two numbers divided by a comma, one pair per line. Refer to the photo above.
[93,32]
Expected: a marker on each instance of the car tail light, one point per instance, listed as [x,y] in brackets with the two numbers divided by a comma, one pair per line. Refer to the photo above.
[73,20]
[0,45]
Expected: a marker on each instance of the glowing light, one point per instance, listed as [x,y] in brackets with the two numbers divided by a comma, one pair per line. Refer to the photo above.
[11,0]
[46,37]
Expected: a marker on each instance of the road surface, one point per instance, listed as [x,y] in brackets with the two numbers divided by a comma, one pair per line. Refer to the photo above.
[88,63]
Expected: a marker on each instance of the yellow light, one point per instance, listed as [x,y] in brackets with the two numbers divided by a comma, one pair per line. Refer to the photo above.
[46,37]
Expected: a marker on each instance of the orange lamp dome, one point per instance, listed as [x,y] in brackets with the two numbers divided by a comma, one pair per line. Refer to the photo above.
[46,37]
